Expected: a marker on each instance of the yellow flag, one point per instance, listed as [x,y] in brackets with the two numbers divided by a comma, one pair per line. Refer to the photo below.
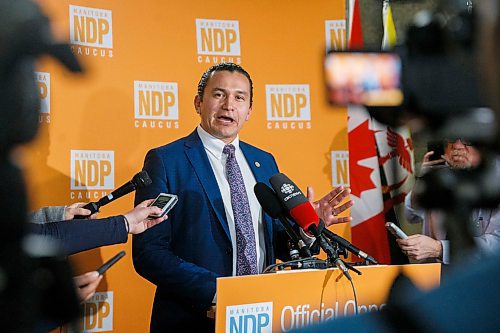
[389,39]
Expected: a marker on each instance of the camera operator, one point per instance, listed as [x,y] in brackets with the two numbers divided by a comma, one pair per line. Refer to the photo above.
[85,234]
[432,244]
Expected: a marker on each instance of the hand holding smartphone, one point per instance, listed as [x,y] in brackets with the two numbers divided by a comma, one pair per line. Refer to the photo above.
[438,148]
[165,202]
[396,231]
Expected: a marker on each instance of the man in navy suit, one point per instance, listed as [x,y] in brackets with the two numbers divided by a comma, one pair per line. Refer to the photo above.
[184,256]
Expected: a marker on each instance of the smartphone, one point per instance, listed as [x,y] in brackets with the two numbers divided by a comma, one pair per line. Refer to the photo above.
[110,262]
[437,147]
[165,202]
[363,78]
[396,231]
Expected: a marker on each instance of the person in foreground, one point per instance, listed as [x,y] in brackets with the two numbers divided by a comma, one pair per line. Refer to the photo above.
[432,244]
[81,235]
[217,228]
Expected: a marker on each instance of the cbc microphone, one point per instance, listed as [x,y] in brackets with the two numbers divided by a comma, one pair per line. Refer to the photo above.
[304,214]
[345,243]
[140,180]
[295,203]
[272,207]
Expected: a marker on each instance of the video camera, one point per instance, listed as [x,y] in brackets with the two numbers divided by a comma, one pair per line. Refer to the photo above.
[431,82]
[35,286]
[24,35]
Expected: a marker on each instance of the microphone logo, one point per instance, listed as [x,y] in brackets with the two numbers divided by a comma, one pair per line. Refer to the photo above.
[287,188]
[290,190]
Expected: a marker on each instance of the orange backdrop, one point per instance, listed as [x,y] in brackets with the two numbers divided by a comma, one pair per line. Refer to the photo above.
[143,61]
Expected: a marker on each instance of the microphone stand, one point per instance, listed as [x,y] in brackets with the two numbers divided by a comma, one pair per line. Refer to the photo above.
[351,267]
[342,250]
[345,245]
[333,256]
[343,266]
[292,248]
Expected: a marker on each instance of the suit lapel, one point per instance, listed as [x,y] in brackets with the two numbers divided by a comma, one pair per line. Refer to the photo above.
[195,152]
[255,164]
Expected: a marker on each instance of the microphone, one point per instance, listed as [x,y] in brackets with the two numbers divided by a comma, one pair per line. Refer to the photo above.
[272,207]
[140,180]
[304,214]
[345,243]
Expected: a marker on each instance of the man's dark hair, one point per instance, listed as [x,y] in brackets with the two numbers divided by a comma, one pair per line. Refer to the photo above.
[225,66]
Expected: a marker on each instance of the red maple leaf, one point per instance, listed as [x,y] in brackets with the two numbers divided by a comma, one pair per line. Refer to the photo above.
[401,149]
[361,146]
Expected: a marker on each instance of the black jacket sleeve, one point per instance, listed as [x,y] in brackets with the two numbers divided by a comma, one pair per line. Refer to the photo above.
[81,235]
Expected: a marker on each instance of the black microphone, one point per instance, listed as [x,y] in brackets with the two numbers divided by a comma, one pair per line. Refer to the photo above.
[304,214]
[345,243]
[272,207]
[140,180]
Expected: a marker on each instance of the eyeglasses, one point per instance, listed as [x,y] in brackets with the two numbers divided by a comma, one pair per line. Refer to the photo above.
[463,141]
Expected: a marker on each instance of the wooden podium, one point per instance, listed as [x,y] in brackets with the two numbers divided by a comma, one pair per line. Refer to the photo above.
[280,302]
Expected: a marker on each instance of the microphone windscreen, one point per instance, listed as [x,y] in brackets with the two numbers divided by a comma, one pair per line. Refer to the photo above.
[141,179]
[304,215]
[288,193]
[268,200]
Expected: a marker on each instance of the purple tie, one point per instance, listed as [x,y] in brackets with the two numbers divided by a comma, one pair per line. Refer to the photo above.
[246,254]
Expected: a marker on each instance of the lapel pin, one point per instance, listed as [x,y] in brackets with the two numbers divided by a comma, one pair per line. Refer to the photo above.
[257,164]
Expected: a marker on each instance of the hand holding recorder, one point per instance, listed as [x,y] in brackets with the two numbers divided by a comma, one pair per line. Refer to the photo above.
[396,231]
[165,202]
[144,216]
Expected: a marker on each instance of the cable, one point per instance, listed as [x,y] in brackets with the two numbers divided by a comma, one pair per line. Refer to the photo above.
[299,263]
[271,267]
[355,298]
[314,261]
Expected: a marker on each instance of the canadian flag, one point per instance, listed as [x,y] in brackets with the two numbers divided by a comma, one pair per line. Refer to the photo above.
[355,37]
[380,171]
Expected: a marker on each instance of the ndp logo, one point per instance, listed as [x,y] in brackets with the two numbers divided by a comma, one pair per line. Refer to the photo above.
[288,106]
[250,318]
[156,104]
[91,170]
[43,82]
[335,33]
[340,167]
[218,41]
[91,31]
[98,313]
